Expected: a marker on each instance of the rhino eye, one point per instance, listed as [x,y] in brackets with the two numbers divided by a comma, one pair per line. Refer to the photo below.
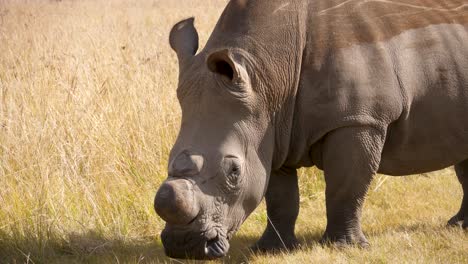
[233,169]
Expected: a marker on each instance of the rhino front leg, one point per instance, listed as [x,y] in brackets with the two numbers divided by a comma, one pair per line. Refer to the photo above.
[461,218]
[351,156]
[282,202]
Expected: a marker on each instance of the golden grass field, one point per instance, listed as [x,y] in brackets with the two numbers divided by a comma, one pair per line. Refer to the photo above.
[88,114]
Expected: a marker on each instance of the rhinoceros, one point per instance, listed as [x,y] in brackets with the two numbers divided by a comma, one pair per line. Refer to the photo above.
[353,87]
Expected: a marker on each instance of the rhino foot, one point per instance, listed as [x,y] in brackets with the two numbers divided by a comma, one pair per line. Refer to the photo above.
[275,245]
[458,221]
[343,241]
[461,218]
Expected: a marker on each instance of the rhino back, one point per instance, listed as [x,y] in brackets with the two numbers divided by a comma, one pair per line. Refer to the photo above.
[401,66]
[337,24]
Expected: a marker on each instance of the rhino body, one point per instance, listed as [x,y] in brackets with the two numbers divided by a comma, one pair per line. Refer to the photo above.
[353,87]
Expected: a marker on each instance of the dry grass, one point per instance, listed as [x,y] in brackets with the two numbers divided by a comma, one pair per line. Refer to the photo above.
[88,114]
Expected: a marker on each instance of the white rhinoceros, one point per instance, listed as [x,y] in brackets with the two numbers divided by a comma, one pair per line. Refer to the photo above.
[354,87]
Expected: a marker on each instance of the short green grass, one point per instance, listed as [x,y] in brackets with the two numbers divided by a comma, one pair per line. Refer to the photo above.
[88,113]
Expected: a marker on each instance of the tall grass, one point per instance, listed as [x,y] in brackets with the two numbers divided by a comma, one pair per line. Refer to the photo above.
[88,114]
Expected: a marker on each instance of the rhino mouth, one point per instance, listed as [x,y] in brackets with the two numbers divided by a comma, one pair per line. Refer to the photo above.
[217,247]
[183,243]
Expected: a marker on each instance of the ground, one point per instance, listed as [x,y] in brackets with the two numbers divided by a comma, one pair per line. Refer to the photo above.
[88,113]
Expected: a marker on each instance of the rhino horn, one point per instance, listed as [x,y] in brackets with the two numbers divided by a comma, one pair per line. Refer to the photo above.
[175,202]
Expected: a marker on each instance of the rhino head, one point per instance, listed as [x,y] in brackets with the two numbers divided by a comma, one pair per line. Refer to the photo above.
[220,164]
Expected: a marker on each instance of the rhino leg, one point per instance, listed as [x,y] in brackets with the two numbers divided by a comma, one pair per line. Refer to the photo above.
[282,202]
[461,218]
[351,157]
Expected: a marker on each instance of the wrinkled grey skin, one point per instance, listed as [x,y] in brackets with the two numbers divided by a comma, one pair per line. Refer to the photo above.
[286,84]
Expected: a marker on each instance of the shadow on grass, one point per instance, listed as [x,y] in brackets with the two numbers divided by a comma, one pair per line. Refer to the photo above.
[94,248]
[81,248]
[419,228]
[240,251]
[309,240]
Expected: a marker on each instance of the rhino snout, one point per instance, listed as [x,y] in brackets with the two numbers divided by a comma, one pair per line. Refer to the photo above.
[175,202]
[182,242]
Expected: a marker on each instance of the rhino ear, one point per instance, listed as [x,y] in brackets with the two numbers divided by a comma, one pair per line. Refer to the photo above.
[225,63]
[184,39]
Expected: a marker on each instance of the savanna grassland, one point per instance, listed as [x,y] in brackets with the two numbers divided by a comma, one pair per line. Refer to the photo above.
[88,114]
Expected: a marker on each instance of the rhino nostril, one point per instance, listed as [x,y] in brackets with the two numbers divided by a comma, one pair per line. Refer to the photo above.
[175,202]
